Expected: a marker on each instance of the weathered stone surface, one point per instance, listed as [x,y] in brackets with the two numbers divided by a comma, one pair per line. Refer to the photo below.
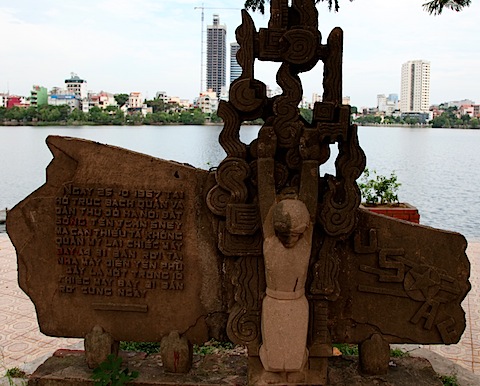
[98,346]
[363,275]
[126,241]
[282,164]
[117,239]
[374,355]
[228,369]
[177,353]
[401,280]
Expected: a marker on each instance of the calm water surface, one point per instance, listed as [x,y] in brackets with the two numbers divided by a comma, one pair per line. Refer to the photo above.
[439,168]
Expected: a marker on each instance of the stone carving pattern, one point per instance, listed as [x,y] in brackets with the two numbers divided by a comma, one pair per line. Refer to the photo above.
[292,38]
[420,282]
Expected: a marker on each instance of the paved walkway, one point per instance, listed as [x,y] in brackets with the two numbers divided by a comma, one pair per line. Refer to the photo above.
[21,342]
[467,352]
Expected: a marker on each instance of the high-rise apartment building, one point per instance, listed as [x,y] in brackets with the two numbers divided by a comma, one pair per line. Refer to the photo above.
[216,55]
[235,69]
[415,87]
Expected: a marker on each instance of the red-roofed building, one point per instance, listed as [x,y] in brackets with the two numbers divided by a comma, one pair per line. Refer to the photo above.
[14,100]
[466,110]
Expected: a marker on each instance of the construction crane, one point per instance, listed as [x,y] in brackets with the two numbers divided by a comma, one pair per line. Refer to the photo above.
[202,42]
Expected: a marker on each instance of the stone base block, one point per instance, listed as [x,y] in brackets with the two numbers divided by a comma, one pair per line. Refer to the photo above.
[69,368]
[315,375]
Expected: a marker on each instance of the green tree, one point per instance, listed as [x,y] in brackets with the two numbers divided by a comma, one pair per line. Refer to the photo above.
[164,117]
[77,115]
[412,121]
[465,120]
[31,114]
[440,121]
[192,117]
[214,118]
[15,113]
[368,119]
[64,111]
[118,118]
[434,7]
[121,99]
[48,113]
[135,118]
[97,115]
[307,114]
[156,104]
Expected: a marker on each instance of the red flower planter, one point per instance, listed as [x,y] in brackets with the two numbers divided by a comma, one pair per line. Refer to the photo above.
[401,211]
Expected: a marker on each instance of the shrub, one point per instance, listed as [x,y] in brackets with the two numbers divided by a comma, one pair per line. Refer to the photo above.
[378,189]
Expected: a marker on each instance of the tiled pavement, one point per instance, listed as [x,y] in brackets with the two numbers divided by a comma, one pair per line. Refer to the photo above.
[467,352]
[21,342]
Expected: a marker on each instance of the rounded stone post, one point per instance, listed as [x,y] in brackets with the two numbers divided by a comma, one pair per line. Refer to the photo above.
[374,355]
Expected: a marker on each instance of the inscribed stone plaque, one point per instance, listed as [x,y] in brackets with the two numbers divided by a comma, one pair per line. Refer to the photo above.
[118,239]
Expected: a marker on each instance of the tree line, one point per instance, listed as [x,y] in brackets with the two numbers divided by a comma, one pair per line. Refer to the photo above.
[449,118]
[172,113]
[112,115]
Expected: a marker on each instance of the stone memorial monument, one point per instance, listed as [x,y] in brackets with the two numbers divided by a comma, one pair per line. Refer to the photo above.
[122,246]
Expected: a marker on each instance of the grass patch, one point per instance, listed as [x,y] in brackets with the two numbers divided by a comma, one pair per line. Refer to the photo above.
[352,349]
[146,347]
[347,349]
[449,380]
[110,373]
[397,353]
[211,347]
[15,372]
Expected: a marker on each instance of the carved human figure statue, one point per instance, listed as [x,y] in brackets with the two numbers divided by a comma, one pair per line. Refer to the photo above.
[287,230]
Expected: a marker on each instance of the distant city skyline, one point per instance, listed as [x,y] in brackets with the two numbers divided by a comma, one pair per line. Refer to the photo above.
[147,46]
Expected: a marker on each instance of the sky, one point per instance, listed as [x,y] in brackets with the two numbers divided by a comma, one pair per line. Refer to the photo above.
[121,46]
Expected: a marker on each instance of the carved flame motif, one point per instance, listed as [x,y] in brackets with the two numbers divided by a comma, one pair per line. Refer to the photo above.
[292,38]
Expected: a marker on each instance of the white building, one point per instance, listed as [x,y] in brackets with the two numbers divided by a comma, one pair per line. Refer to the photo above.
[76,86]
[64,99]
[101,100]
[316,98]
[208,102]
[458,104]
[162,95]
[135,100]
[388,104]
[415,87]
[3,100]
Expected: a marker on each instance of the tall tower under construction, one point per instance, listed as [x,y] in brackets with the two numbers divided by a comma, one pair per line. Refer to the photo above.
[216,55]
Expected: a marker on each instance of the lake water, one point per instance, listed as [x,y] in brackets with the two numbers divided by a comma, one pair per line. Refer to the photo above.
[439,168]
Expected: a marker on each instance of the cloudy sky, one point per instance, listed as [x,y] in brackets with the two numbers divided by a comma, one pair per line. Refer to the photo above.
[152,45]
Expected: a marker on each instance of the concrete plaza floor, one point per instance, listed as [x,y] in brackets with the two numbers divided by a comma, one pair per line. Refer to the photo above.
[23,345]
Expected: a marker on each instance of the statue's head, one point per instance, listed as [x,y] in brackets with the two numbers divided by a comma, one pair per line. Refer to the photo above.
[290,220]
